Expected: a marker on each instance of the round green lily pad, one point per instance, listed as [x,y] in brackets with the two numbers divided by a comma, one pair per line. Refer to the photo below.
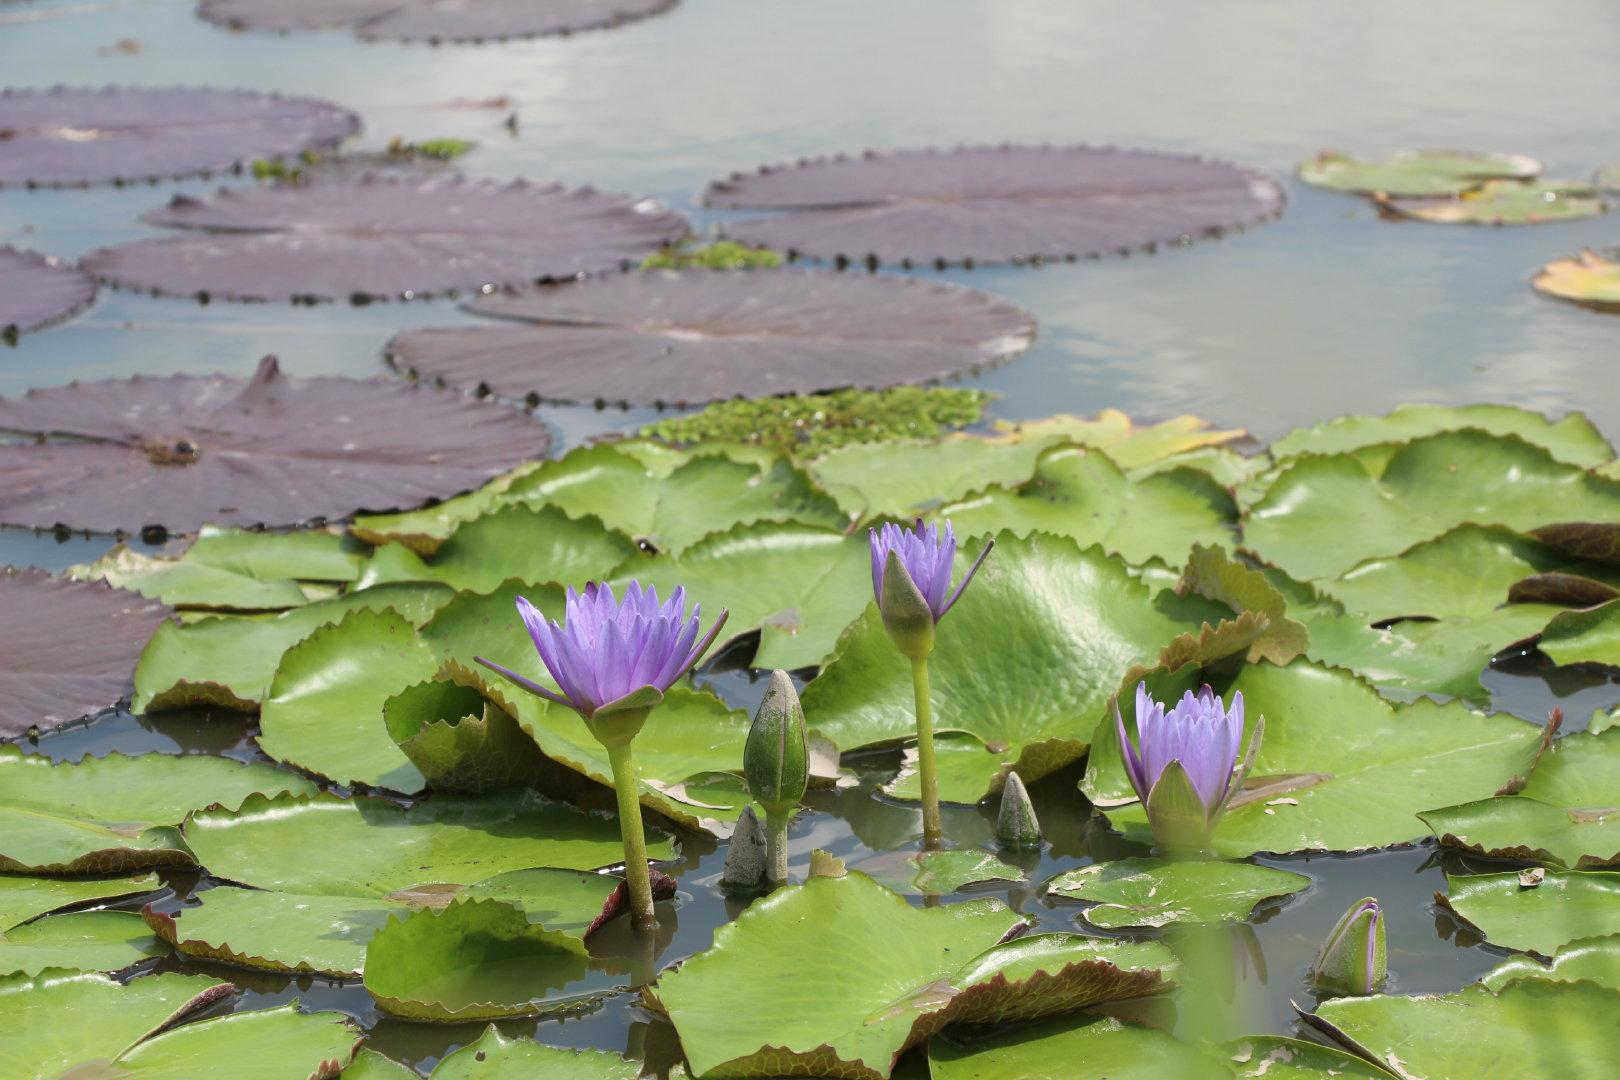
[1150,893]
[1506,202]
[1415,172]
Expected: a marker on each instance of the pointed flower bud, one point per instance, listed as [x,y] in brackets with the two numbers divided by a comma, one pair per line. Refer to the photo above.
[776,758]
[911,578]
[1187,769]
[1016,826]
[1353,959]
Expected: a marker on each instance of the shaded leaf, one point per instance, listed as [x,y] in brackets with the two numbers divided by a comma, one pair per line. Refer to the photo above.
[458,740]
[23,898]
[82,940]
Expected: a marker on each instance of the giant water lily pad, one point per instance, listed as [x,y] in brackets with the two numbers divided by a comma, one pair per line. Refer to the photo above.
[276,931]
[80,941]
[1595,958]
[1589,278]
[116,813]
[1507,202]
[893,975]
[370,848]
[67,648]
[1144,892]
[668,337]
[1339,769]
[1325,514]
[187,450]
[1415,172]
[381,237]
[1551,1028]
[76,135]
[992,204]
[38,290]
[23,898]
[1088,1045]
[1024,662]
[1541,917]
[472,960]
[1572,438]
[424,20]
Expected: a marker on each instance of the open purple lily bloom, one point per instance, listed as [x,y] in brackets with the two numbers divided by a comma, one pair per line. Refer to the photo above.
[1194,747]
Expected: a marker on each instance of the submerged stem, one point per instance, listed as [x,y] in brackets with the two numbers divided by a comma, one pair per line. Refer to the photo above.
[927,773]
[776,826]
[636,877]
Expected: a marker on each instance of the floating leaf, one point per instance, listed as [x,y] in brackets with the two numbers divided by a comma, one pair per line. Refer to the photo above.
[276,931]
[267,1044]
[426,21]
[66,648]
[37,290]
[1145,892]
[82,941]
[473,960]
[1540,918]
[1591,636]
[1557,1029]
[24,898]
[1515,827]
[458,740]
[273,449]
[380,237]
[493,1057]
[1589,278]
[1212,574]
[1101,1045]
[1573,439]
[678,338]
[1507,202]
[938,872]
[1025,662]
[992,204]
[1340,768]
[906,478]
[1130,445]
[76,135]
[371,847]
[566,901]
[1277,1058]
[1596,959]
[424,530]
[1415,172]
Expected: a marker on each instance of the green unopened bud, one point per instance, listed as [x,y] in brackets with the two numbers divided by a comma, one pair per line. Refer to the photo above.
[1353,958]
[776,758]
[906,614]
[1176,814]
[1016,826]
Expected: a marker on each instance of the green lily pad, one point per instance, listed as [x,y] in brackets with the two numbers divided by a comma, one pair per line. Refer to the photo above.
[707,493]
[1148,893]
[229,662]
[472,960]
[1507,202]
[1552,1029]
[1324,515]
[459,740]
[1080,1046]
[370,1065]
[937,872]
[276,931]
[797,586]
[115,814]
[1536,918]
[1024,662]
[81,941]
[1128,445]
[1080,493]
[1596,959]
[1515,827]
[908,478]
[1589,278]
[424,530]
[183,583]
[494,1057]
[1415,172]
[532,544]
[59,1018]
[1212,574]
[892,975]
[1340,768]
[1591,636]
[1277,1058]
[24,898]
[268,1044]
[371,847]
[566,901]
[1582,769]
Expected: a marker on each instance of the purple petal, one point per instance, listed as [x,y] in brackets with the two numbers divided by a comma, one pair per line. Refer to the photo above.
[1133,763]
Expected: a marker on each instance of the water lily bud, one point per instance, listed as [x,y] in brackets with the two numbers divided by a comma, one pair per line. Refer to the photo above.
[906,614]
[776,758]
[1016,826]
[745,855]
[1353,959]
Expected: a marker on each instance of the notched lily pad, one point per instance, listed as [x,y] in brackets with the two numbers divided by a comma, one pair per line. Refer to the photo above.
[458,740]
[81,941]
[1596,959]
[275,931]
[67,648]
[467,23]
[1149,893]
[1540,918]
[381,237]
[938,872]
[37,291]
[989,204]
[24,898]
[186,450]
[682,338]
[1589,278]
[1415,172]
[77,135]
[1506,202]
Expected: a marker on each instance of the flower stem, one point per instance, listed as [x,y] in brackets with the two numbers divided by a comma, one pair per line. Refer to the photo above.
[927,773]
[636,877]
[776,826]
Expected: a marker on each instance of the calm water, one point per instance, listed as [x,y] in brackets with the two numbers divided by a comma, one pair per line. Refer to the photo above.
[1326,310]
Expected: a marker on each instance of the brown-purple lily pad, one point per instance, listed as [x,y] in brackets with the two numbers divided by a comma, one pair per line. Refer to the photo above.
[186,450]
[38,290]
[1594,541]
[458,22]
[988,204]
[671,337]
[80,135]
[67,648]
[381,237]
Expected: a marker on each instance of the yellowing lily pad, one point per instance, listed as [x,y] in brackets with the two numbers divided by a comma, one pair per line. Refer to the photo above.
[1588,278]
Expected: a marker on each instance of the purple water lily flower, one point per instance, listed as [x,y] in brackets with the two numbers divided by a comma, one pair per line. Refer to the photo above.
[609,654]
[928,557]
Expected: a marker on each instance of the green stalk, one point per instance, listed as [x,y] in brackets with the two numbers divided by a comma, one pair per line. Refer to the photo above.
[636,877]
[776,827]
[928,774]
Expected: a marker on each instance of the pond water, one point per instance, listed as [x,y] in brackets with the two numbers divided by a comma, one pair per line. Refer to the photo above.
[1324,311]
